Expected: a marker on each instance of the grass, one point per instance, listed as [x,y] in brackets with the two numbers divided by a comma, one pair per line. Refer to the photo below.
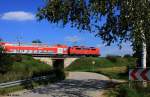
[115,67]
[123,90]
[114,72]
[24,68]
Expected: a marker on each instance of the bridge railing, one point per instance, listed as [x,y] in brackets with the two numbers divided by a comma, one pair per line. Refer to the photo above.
[19,82]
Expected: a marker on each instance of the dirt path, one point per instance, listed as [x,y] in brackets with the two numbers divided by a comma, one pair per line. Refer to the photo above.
[77,84]
[86,75]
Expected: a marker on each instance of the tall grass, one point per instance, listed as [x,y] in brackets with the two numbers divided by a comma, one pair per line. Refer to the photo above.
[25,67]
[124,90]
[85,64]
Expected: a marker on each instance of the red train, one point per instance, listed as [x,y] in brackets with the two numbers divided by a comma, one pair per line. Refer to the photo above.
[40,49]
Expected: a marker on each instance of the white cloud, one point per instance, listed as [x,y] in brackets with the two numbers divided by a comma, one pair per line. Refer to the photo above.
[18,16]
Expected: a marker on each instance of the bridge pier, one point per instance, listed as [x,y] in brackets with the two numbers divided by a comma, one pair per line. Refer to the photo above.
[58,63]
[58,68]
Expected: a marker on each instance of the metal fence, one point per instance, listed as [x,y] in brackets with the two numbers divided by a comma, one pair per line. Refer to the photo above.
[19,82]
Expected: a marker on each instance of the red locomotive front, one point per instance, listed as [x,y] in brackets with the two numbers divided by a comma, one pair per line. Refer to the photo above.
[81,50]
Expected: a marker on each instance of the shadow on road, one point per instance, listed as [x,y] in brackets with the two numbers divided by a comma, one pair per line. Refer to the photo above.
[72,88]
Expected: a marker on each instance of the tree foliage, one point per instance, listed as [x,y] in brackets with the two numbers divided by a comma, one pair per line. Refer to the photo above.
[112,20]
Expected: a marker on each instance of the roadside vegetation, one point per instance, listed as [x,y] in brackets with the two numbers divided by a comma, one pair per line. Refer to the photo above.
[113,66]
[21,67]
[124,90]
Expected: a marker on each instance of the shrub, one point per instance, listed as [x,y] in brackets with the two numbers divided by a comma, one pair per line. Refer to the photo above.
[16,58]
[112,58]
[5,63]
[127,56]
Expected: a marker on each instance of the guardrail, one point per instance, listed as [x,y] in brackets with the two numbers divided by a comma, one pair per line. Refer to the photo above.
[19,82]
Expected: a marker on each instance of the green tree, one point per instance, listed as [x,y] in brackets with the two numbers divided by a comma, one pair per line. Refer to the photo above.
[126,20]
[37,41]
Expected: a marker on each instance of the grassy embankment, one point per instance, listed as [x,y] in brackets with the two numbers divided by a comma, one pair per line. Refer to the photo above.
[114,67]
[22,67]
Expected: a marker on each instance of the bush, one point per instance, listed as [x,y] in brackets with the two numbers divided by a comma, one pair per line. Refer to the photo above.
[16,58]
[135,90]
[127,56]
[112,58]
[125,91]
[5,63]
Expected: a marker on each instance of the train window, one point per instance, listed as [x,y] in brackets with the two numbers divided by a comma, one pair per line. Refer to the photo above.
[30,51]
[25,51]
[40,51]
[93,49]
[35,51]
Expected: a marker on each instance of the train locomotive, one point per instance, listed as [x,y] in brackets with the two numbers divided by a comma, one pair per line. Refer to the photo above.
[38,49]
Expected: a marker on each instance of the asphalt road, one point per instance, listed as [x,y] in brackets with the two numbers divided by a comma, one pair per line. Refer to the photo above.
[78,84]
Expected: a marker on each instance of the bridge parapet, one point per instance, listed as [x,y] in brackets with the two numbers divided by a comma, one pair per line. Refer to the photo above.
[48,60]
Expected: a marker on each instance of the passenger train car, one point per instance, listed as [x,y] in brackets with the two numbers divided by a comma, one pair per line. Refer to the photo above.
[41,49]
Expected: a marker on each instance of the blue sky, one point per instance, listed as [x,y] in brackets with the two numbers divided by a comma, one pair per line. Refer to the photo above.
[17,21]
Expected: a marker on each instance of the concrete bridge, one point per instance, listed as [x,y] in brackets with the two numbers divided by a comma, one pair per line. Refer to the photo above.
[64,61]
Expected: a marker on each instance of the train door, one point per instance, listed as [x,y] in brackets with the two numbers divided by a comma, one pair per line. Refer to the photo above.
[60,50]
